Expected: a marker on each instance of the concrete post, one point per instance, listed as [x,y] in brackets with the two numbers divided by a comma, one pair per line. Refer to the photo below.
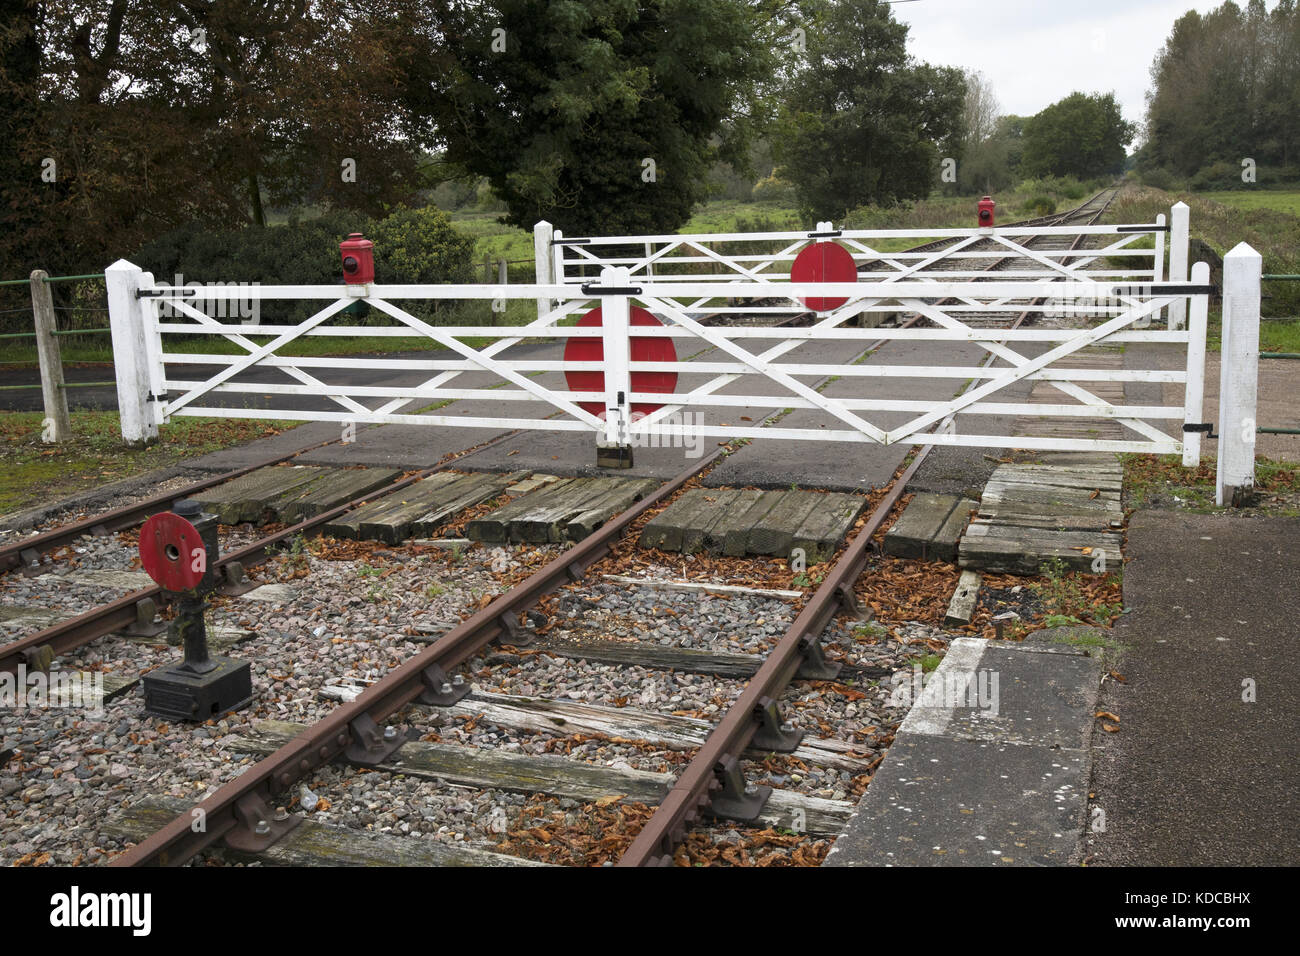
[130,353]
[57,427]
[1239,376]
[1179,231]
[542,235]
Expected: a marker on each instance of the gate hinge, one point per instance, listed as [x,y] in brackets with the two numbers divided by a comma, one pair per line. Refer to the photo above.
[1207,428]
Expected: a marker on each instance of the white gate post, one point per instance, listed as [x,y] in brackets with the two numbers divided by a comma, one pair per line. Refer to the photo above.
[1178,241]
[1239,376]
[616,450]
[1158,262]
[130,353]
[543,233]
[1194,394]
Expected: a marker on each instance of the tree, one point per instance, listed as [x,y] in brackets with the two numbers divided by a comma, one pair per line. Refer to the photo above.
[600,116]
[1226,87]
[986,142]
[154,113]
[1083,135]
[862,122]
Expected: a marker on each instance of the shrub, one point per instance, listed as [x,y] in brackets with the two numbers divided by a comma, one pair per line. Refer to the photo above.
[772,189]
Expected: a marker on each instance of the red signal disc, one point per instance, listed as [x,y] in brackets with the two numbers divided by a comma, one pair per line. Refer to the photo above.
[167,543]
[643,349]
[823,262]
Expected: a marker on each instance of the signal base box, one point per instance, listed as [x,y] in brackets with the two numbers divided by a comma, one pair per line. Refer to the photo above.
[178,693]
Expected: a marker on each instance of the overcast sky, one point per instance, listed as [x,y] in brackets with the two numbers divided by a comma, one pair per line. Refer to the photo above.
[1037,51]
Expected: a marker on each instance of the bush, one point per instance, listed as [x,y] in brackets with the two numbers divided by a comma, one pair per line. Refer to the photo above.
[1158,179]
[411,246]
[1040,206]
[772,189]
[421,246]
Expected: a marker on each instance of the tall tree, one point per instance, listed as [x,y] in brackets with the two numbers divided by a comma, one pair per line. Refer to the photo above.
[154,113]
[1226,87]
[862,122]
[1083,135]
[604,115]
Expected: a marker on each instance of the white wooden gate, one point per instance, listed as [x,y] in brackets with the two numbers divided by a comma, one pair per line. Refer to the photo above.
[484,368]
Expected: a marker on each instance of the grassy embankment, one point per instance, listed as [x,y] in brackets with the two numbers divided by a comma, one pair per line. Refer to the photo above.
[33,473]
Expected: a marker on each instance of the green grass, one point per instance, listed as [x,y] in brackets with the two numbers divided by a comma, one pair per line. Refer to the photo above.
[1276,200]
[1156,480]
[34,473]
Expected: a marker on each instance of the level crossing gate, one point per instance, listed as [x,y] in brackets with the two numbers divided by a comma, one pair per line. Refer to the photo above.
[179,352]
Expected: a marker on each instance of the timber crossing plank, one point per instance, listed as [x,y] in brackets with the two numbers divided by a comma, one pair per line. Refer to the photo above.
[747,522]
[421,508]
[291,493]
[1030,515]
[566,510]
[929,527]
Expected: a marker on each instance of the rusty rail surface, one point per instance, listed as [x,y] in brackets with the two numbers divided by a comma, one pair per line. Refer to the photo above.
[22,552]
[239,808]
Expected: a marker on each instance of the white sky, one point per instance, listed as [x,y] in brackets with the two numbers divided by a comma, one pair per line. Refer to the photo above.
[1037,51]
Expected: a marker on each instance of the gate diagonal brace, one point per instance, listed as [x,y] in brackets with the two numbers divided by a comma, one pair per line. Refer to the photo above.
[815,665]
[371,746]
[737,800]
[258,828]
[439,689]
[146,623]
[774,734]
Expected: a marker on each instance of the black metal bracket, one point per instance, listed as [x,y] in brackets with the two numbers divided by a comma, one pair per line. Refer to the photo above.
[1151,228]
[233,580]
[570,242]
[1205,428]
[848,599]
[1164,288]
[773,733]
[814,665]
[258,828]
[520,634]
[39,658]
[160,293]
[371,746]
[826,235]
[31,562]
[589,289]
[439,689]
[737,801]
[146,623]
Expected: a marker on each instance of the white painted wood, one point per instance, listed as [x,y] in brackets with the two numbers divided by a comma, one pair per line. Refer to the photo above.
[130,352]
[57,427]
[1194,392]
[543,233]
[1179,233]
[616,352]
[1158,261]
[1239,378]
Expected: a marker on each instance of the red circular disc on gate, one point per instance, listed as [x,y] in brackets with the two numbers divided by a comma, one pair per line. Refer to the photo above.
[643,349]
[824,262]
[167,543]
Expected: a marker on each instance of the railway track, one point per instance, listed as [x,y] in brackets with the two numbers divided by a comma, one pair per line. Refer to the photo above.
[512,670]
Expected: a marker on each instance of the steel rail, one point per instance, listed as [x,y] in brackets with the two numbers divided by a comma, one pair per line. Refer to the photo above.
[177,842]
[129,515]
[39,648]
[691,793]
